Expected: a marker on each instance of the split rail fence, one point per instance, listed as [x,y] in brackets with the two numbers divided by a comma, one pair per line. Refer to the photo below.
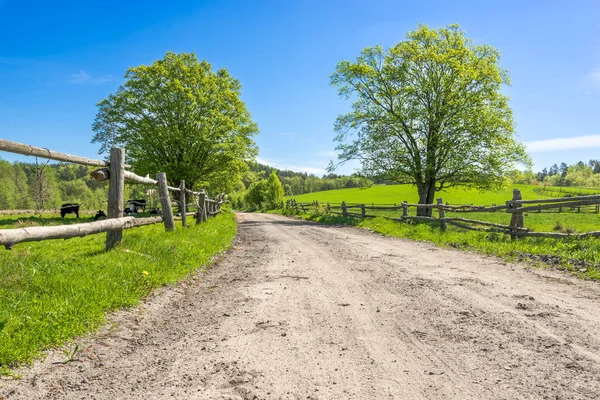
[516,207]
[115,172]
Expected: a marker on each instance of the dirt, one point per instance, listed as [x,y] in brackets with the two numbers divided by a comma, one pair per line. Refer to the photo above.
[297,310]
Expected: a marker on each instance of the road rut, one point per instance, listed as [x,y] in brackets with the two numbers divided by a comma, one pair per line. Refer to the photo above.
[297,310]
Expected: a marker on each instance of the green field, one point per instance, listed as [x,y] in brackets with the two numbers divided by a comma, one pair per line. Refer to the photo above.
[548,221]
[54,290]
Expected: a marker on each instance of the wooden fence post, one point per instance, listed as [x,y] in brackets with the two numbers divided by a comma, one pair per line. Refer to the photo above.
[165,201]
[516,220]
[404,209]
[363,211]
[183,207]
[442,212]
[344,210]
[116,199]
[328,208]
[201,207]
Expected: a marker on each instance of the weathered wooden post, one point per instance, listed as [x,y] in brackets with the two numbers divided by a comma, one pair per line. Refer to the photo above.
[201,207]
[183,207]
[404,209]
[165,201]
[344,209]
[363,211]
[516,219]
[442,212]
[116,187]
[328,208]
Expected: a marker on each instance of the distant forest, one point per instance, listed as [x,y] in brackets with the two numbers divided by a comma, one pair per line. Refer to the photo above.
[295,183]
[31,186]
[45,186]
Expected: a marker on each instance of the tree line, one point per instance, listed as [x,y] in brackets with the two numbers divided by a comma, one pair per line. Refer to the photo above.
[580,174]
[46,186]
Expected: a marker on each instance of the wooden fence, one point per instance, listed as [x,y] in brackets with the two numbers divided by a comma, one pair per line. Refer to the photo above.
[516,207]
[115,172]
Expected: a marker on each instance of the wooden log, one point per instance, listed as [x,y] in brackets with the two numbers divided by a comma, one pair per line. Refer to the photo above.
[550,206]
[165,202]
[556,200]
[144,180]
[516,220]
[101,174]
[442,214]
[27,150]
[10,237]
[116,188]
[183,203]
[473,221]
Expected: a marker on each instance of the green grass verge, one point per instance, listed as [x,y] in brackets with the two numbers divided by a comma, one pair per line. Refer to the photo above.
[54,290]
[579,256]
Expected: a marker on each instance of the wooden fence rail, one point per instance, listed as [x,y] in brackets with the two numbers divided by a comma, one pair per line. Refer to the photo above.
[114,172]
[513,207]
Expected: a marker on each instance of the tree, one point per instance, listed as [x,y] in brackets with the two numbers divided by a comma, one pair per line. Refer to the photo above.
[274,192]
[256,195]
[429,112]
[179,117]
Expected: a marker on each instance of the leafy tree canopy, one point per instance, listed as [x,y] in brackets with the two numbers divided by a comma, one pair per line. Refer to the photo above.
[430,112]
[179,117]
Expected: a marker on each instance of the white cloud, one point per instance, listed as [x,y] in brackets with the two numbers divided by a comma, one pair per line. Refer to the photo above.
[83,77]
[596,75]
[572,143]
[291,167]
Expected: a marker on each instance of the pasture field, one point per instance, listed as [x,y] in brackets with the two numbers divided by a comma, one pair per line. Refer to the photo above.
[547,221]
[54,290]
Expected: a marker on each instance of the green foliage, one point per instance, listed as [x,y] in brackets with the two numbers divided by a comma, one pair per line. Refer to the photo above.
[179,117]
[256,195]
[274,192]
[54,290]
[429,111]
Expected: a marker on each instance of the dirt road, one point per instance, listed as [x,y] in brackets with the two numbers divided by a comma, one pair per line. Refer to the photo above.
[303,311]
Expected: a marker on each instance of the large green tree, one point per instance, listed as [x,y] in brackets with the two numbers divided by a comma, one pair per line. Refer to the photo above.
[430,112]
[178,116]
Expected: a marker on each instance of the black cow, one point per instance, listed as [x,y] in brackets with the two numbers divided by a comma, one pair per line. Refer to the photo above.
[136,205]
[155,211]
[69,208]
[99,214]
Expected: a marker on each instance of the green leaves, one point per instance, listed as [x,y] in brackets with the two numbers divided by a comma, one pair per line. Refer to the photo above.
[178,116]
[428,111]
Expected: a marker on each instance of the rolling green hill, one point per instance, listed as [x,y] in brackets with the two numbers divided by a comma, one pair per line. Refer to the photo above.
[390,194]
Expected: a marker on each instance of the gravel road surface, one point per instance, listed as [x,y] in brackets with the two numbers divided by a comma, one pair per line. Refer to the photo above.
[297,310]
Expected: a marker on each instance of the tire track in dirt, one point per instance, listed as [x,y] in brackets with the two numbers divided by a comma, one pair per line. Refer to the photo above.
[300,310]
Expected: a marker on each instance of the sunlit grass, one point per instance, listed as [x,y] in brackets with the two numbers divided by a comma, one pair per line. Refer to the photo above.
[54,290]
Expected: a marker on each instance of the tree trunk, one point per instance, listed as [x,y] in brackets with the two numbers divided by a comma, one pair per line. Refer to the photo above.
[426,196]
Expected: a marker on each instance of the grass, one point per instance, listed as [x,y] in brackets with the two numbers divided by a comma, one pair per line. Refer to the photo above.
[54,290]
[569,220]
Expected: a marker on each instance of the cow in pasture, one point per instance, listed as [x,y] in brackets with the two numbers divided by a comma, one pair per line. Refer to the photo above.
[69,208]
[135,206]
[99,214]
[155,211]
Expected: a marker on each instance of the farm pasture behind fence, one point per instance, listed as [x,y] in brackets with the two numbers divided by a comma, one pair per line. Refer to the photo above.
[516,207]
[115,172]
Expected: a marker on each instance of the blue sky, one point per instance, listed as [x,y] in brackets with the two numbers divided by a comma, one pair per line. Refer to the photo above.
[59,58]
